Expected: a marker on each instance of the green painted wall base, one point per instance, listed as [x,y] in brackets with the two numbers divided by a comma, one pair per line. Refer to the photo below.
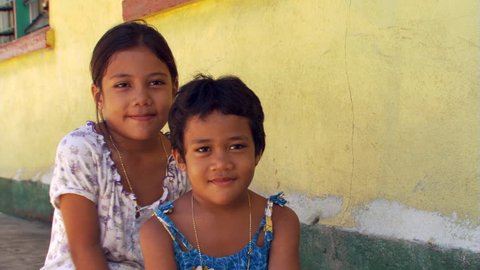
[321,247]
[25,199]
[329,248]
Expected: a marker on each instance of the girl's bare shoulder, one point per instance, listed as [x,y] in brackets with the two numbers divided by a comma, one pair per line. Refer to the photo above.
[286,216]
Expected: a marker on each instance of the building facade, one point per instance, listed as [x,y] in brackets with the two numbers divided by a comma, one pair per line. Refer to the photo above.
[372,114]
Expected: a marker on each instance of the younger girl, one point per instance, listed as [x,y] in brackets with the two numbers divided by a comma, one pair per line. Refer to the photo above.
[109,175]
[218,138]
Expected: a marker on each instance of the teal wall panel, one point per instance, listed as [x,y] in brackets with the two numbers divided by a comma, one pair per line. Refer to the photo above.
[25,199]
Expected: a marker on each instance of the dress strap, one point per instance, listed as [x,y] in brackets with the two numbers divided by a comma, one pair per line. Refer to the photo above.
[274,199]
[161,214]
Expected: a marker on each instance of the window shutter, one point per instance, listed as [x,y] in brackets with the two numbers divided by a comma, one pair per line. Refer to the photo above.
[22,18]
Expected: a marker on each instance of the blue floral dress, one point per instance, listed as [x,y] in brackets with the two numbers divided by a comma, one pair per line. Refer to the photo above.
[188,258]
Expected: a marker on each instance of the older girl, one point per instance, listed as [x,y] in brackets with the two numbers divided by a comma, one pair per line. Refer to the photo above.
[109,175]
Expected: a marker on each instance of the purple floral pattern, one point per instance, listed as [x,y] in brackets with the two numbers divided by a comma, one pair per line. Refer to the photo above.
[84,166]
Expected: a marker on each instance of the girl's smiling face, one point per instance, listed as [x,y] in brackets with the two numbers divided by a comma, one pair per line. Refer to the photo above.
[220,157]
[137,93]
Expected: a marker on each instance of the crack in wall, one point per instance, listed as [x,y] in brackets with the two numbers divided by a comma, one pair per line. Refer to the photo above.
[349,88]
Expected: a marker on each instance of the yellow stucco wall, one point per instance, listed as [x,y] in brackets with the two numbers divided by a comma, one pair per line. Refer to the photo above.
[45,93]
[364,100]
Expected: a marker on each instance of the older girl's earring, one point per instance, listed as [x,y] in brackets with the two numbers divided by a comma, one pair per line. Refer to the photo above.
[182,166]
[100,111]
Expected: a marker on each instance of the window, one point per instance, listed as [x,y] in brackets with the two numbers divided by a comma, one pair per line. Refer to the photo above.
[24,27]
[38,15]
[6,21]
[21,17]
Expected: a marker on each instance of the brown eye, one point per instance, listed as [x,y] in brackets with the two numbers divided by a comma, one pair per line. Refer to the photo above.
[237,146]
[203,149]
[157,83]
[121,85]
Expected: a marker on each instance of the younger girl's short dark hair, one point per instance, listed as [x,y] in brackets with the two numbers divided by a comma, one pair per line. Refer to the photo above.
[203,95]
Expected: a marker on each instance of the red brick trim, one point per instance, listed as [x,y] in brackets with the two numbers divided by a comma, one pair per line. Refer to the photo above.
[40,39]
[134,9]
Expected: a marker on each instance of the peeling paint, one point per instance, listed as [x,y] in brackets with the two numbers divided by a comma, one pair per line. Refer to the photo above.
[395,220]
[39,175]
[311,210]
[44,176]
[392,220]
[18,174]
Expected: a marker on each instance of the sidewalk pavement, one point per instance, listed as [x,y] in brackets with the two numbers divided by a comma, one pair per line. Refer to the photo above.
[23,243]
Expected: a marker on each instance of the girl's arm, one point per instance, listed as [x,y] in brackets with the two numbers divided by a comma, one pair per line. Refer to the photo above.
[284,253]
[83,232]
[156,245]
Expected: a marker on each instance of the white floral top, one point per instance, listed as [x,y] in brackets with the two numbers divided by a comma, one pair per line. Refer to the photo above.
[84,166]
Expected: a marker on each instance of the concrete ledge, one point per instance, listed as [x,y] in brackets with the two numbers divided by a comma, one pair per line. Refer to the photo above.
[25,199]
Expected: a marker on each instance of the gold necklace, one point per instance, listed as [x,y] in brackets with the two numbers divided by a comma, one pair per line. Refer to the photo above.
[122,164]
[249,234]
